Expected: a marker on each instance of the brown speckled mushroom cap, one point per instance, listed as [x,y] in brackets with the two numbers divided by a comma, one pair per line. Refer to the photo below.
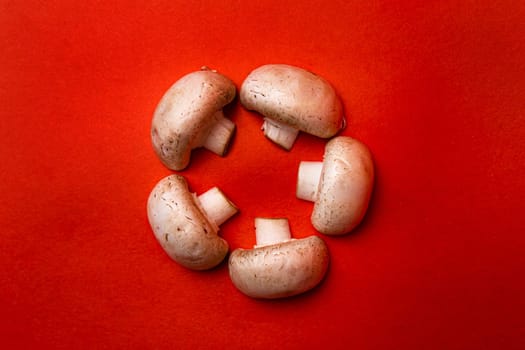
[345,186]
[293,96]
[181,228]
[186,114]
[279,270]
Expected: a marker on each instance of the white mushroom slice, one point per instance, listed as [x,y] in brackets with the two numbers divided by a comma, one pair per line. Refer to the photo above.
[189,116]
[342,190]
[278,269]
[187,226]
[294,97]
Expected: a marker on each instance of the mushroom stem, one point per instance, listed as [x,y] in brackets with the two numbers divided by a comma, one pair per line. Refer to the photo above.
[216,206]
[271,231]
[308,178]
[220,134]
[280,133]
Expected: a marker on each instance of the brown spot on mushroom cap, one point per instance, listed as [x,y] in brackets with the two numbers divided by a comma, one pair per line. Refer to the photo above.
[181,228]
[279,270]
[345,186]
[295,97]
[186,113]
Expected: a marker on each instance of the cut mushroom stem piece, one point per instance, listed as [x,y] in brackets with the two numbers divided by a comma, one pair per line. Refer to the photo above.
[278,266]
[220,135]
[308,178]
[271,231]
[280,133]
[216,206]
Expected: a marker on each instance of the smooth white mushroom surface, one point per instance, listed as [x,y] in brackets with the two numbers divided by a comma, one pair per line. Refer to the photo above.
[270,231]
[292,99]
[340,186]
[186,225]
[278,266]
[190,115]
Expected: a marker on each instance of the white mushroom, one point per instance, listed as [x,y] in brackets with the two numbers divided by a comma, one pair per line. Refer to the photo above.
[292,99]
[186,226]
[278,266]
[190,115]
[340,186]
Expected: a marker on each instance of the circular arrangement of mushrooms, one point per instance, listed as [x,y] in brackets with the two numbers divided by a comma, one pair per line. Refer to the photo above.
[290,99]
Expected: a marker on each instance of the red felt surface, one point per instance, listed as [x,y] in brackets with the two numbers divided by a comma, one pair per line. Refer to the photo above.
[434,88]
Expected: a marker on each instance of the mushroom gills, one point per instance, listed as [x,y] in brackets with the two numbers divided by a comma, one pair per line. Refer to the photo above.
[308,178]
[280,133]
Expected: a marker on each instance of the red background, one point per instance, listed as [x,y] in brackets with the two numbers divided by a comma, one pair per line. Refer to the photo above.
[434,88]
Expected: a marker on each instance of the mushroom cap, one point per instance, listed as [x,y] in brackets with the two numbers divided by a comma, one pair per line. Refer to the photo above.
[293,96]
[181,228]
[186,114]
[345,186]
[279,270]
